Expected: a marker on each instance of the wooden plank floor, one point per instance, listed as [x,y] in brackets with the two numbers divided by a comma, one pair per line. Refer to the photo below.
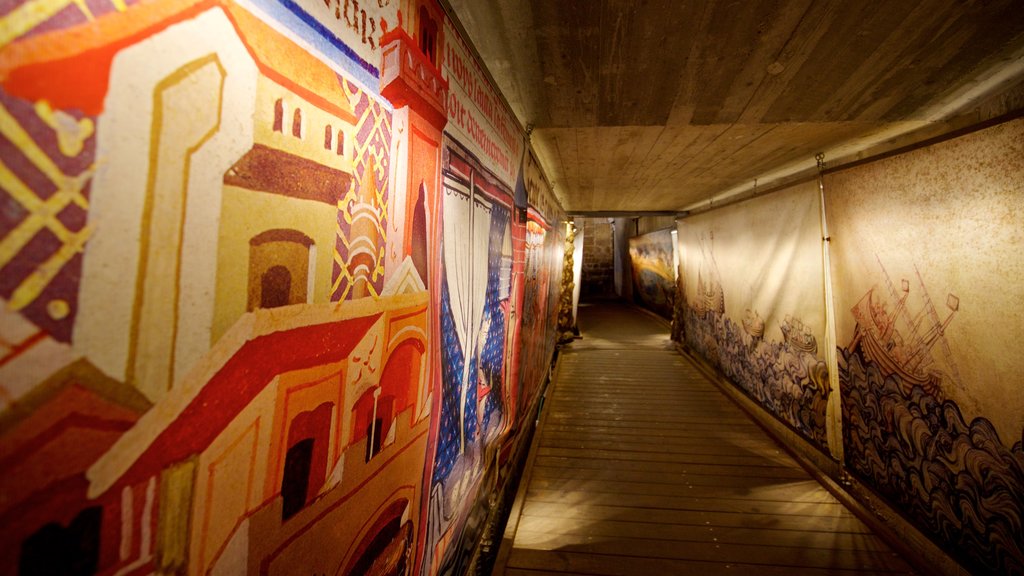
[641,466]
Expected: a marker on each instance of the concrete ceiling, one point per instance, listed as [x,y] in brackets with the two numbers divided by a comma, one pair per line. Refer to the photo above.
[666,105]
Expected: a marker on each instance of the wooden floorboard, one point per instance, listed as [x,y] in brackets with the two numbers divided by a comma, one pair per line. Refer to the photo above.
[800,491]
[673,468]
[597,513]
[702,533]
[642,466]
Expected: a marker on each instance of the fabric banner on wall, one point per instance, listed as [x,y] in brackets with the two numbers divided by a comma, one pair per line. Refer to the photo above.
[497,321]
[927,265]
[543,258]
[540,305]
[476,303]
[477,116]
[651,256]
[284,340]
[752,284]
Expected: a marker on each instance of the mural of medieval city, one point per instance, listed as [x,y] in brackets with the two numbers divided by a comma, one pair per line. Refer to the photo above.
[277,288]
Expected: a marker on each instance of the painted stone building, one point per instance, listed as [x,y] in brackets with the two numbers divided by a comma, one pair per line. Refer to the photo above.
[221,251]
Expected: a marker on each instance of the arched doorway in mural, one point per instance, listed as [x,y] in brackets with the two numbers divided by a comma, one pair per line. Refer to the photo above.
[280,267]
[305,462]
[386,549]
[275,287]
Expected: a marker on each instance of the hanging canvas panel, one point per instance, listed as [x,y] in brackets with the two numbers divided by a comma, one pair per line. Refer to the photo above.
[477,115]
[930,315]
[653,271]
[753,302]
[476,300]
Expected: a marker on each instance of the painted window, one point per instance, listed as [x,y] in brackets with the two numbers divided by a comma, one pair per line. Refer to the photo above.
[275,287]
[279,115]
[305,462]
[372,417]
[341,143]
[374,442]
[297,123]
[295,482]
[328,137]
[416,238]
[388,543]
[428,35]
[400,378]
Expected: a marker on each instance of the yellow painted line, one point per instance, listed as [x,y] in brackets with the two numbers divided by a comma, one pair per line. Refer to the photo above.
[33,286]
[12,130]
[41,214]
[27,229]
[18,189]
[26,17]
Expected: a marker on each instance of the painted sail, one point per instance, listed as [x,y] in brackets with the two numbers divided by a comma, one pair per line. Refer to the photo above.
[505,274]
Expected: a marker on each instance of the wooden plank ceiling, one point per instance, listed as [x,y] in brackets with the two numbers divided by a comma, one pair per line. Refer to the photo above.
[662,105]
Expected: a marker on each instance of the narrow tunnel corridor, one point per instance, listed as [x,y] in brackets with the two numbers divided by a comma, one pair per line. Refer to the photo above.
[283,284]
[642,466]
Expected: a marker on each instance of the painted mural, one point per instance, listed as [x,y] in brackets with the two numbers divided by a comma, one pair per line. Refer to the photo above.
[929,326]
[494,261]
[477,298]
[495,277]
[237,332]
[540,307]
[477,116]
[752,303]
[652,257]
[543,256]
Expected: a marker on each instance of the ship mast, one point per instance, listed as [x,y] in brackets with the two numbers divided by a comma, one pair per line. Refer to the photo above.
[899,307]
[925,342]
[900,303]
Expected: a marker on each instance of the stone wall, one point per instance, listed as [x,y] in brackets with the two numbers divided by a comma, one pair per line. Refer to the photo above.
[598,278]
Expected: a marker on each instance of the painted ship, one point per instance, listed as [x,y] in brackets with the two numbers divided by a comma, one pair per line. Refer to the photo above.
[798,336]
[906,353]
[710,297]
[753,324]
